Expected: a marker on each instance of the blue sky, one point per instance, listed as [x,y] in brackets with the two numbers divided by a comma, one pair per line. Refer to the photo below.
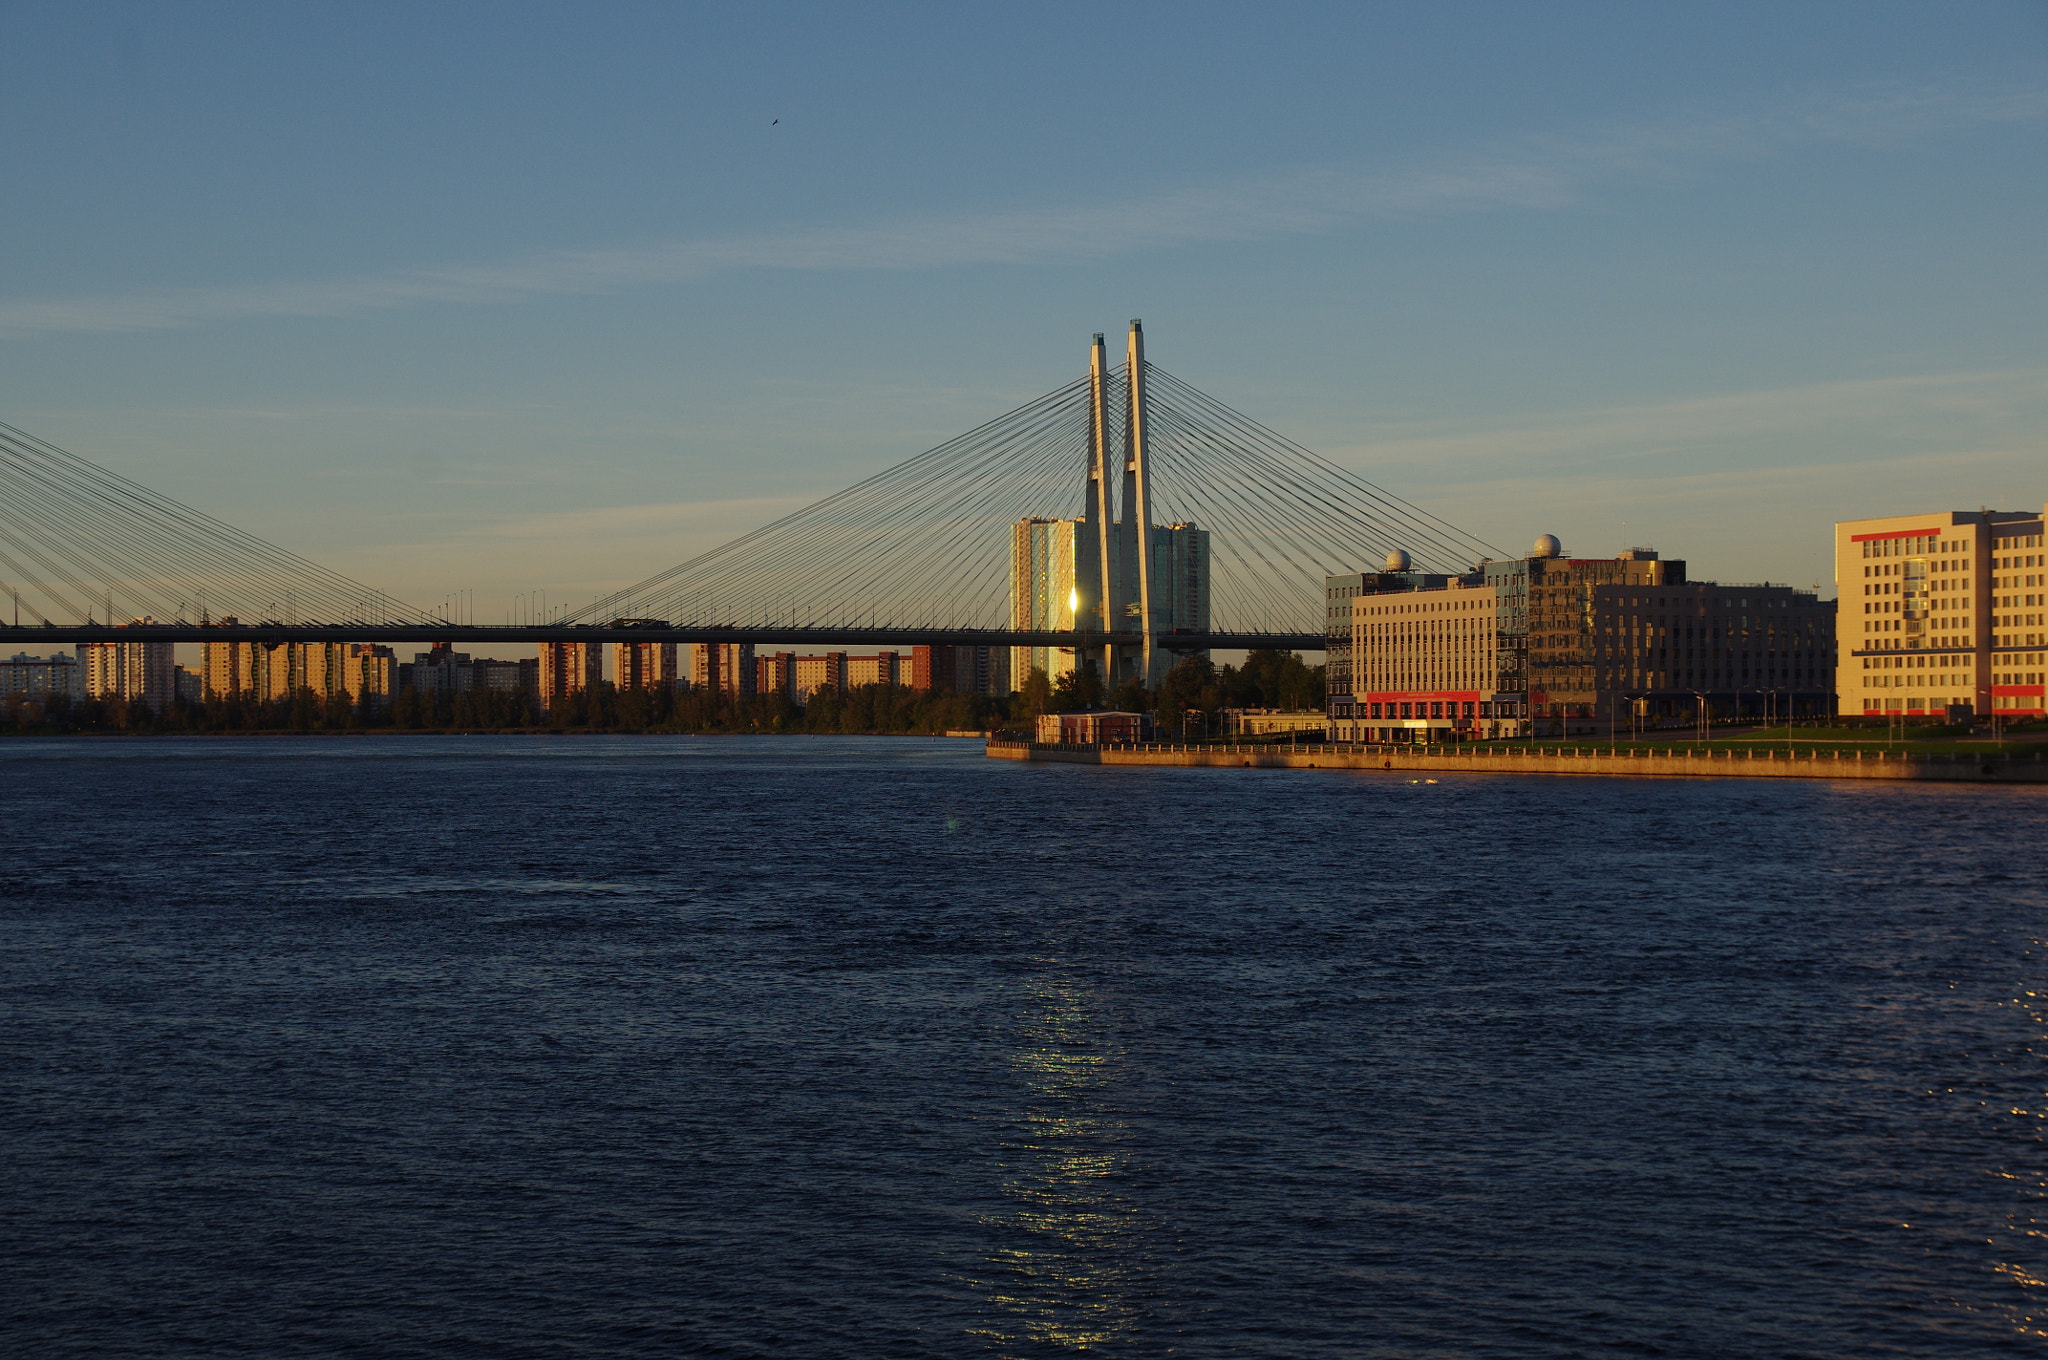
[503,298]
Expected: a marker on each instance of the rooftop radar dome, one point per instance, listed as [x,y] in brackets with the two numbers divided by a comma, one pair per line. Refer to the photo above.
[1397,560]
[1546,546]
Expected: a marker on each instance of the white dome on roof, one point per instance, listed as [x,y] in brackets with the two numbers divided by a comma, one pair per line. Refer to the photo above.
[1397,560]
[1546,546]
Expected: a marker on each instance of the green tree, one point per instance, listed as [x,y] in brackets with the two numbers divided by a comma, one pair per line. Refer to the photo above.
[1273,679]
[1078,688]
[1192,686]
[1034,696]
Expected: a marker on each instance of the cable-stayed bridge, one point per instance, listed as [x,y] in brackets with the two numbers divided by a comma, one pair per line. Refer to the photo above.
[1126,514]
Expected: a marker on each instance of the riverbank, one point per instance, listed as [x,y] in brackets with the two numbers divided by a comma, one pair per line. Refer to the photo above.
[1660,761]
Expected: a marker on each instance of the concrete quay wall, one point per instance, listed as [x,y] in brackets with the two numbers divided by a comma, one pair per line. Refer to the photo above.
[1564,759]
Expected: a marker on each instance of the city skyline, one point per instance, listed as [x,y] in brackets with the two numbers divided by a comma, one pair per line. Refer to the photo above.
[1715,287]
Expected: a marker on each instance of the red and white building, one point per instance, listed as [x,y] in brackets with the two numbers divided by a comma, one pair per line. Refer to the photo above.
[1941,612]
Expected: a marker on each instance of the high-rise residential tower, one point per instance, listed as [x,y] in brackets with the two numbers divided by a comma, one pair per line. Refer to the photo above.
[643,665]
[568,668]
[726,667]
[1053,582]
[131,670]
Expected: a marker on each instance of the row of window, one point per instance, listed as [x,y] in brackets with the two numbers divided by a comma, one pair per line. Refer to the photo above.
[2015,677]
[1913,545]
[1437,606]
[1913,661]
[1436,708]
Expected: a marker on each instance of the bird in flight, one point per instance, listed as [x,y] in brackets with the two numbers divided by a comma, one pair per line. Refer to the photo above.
[776,121]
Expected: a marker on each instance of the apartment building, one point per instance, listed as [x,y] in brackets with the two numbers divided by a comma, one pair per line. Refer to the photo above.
[880,669]
[232,668]
[1056,586]
[568,668]
[968,670]
[1943,614]
[644,665]
[726,667]
[373,672]
[38,678]
[815,673]
[776,674]
[141,670]
[265,672]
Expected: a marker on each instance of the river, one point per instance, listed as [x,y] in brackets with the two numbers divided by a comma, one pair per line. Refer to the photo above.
[813,1046]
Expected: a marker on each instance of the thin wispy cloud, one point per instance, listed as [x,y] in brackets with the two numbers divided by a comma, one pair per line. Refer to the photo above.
[1530,172]
[1819,416]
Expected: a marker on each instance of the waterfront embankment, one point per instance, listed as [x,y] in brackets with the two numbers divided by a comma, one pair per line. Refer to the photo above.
[1649,761]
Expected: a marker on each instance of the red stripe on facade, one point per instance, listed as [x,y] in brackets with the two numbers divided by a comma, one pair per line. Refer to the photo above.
[1901,533]
[1423,695]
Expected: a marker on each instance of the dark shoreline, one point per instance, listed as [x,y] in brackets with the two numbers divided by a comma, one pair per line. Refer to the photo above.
[453,732]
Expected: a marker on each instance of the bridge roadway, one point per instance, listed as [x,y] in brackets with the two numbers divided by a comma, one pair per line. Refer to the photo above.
[899,639]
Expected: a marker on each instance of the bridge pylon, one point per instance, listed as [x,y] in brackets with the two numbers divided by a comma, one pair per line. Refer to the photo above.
[1138,502]
[1101,540]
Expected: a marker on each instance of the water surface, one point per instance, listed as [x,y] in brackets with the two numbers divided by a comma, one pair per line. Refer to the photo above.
[535,1046]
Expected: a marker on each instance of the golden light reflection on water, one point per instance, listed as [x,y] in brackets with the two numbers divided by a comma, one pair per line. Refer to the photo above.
[1062,1273]
[2027,1317]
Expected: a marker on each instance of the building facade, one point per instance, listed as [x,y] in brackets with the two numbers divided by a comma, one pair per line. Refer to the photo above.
[965,670]
[233,668]
[372,672]
[442,670]
[1339,593]
[568,668]
[1943,614]
[644,665]
[880,669]
[41,677]
[145,671]
[506,677]
[724,667]
[1092,727]
[1053,581]
[1056,587]
[776,674]
[270,671]
[823,672]
[1552,645]
[1180,579]
[1269,722]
